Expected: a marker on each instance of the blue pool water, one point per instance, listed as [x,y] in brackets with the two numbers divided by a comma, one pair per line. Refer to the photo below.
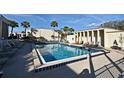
[52,52]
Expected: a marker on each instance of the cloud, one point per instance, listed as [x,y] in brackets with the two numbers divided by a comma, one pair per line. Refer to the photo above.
[41,18]
[86,18]
[92,24]
[96,17]
[21,15]
[32,16]
[74,21]
[52,19]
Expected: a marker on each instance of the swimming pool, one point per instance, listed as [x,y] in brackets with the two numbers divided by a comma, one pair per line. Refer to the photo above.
[53,52]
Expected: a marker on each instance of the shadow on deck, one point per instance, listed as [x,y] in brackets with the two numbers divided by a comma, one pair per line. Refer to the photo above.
[21,66]
[112,70]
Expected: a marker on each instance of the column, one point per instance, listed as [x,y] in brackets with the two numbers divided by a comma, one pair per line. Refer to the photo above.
[75,37]
[84,37]
[93,41]
[87,36]
[80,38]
[98,38]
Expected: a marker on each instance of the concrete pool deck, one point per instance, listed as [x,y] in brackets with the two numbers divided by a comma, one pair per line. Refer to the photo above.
[105,66]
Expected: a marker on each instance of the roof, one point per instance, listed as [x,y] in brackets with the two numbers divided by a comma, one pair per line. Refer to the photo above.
[108,30]
[44,28]
[4,19]
[114,30]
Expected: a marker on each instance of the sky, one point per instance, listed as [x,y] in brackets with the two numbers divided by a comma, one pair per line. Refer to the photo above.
[76,21]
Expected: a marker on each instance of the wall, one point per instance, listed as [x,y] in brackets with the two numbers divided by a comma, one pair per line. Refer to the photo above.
[3,28]
[0,27]
[71,38]
[111,37]
[46,33]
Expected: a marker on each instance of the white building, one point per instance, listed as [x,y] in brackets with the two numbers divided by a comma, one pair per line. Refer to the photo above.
[71,38]
[105,37]
[4,27]
[46,33]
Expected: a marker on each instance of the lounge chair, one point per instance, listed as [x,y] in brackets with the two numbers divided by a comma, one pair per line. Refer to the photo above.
[86,44]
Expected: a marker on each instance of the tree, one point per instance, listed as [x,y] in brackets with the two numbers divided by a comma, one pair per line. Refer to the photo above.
[114,24]
[33,30]
[23,32]
[59,33]
[13,24]
[25,24]
[71,30]
[54,24]
[121,25]
[63,36]
[66,28]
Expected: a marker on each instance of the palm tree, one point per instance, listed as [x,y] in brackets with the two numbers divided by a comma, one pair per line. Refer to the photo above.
[59,33]
[54,24]
[71,30]
[66,28]
[25,24]
[13,24]
[23,32]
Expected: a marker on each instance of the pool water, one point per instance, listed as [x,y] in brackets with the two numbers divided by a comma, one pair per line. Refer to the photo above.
[52,52]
